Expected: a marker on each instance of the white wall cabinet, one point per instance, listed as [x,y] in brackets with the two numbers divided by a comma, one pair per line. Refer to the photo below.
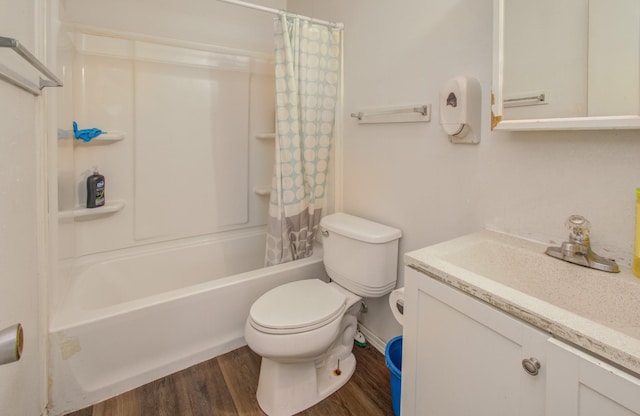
[464,357]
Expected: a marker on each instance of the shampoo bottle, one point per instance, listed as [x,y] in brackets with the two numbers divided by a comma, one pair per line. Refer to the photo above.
[95,190]
[636,252]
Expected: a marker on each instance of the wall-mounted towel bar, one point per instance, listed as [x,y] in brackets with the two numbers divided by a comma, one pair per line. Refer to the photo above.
[526,100]
[394,114]
[52,81]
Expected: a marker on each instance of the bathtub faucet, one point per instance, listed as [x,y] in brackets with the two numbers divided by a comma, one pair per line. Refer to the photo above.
[578,249]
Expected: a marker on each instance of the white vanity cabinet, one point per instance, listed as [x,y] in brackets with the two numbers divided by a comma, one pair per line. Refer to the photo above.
[464,357]
[580,384]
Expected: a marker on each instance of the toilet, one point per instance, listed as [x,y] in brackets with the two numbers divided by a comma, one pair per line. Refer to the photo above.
[304,330]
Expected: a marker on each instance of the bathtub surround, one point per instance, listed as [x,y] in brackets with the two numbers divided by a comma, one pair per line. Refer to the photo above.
[307,86]
[189,85]
[194,109]
[183,174]
[184,167]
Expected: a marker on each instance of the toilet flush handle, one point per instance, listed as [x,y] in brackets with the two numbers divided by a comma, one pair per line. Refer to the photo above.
[324,232]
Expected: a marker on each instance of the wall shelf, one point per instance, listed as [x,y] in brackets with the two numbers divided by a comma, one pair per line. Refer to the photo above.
[266,136]
[264,190]
[104,138]
[80,214]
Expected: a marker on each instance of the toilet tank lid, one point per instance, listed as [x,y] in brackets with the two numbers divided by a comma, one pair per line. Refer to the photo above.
[359,228]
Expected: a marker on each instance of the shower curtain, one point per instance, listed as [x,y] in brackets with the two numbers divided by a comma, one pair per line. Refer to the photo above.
[307,77]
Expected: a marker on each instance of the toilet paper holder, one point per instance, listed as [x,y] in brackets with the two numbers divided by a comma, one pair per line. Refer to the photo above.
[400,306]
[396,304]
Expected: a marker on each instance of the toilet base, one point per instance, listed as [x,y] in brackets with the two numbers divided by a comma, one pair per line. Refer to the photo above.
[286,389]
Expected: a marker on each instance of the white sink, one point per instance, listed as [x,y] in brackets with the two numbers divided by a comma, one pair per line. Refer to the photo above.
[594,309]
[611,299]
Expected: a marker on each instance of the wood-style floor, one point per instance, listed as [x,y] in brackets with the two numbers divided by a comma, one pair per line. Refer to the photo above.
[226,386]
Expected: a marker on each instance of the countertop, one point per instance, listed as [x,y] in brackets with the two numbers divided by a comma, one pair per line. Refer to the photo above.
[595,310]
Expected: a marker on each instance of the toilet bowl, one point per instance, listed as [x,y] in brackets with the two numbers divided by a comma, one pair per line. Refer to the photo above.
[303,360]
[299,320]
[304,330]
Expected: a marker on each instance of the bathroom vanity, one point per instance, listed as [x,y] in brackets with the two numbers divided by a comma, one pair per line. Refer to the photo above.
[493,326]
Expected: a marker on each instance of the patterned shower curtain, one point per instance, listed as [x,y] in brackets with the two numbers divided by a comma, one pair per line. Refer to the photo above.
[307,77]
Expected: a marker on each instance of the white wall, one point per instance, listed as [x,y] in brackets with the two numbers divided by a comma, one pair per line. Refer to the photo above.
[411,177]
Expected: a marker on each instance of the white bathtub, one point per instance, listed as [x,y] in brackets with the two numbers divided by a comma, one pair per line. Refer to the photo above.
[140,314]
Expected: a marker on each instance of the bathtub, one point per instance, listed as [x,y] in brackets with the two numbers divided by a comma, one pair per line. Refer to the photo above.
[136,315]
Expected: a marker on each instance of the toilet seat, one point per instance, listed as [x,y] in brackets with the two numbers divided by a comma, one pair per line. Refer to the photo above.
[297,307]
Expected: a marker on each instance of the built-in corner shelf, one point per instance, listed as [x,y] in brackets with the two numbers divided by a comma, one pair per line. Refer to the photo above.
[104,138]
[266,136]
[262,190]
[81,214]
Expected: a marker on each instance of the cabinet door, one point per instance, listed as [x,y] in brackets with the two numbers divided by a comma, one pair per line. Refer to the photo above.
[582,385]
[464,357]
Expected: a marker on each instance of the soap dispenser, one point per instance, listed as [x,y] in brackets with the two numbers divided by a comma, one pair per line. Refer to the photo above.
[460,109]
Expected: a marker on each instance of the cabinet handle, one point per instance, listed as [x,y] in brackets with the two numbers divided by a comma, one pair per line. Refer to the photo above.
[531,366]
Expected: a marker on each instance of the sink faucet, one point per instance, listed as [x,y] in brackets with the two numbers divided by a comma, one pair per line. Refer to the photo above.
[578,249]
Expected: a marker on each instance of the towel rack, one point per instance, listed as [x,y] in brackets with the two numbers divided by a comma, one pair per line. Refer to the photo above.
[394,114]
[527,99]
[52,81]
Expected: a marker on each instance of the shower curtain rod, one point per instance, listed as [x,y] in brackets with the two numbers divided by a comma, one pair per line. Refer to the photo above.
[281,12]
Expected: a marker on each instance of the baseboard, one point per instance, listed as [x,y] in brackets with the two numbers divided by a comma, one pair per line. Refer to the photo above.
[372,338]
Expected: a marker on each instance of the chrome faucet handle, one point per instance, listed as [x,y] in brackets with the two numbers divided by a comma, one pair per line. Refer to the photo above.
[578,249]
[579,229]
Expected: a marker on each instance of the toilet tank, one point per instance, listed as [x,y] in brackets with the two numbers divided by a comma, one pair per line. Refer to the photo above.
[360,255]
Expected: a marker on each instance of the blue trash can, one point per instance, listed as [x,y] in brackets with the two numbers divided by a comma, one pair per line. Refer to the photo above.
[393,358]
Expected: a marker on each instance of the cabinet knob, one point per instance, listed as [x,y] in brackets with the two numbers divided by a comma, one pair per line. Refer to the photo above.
[531,366]
[11,344]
